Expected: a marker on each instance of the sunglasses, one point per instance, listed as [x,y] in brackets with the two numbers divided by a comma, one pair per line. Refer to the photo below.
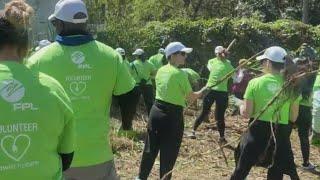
[181,53]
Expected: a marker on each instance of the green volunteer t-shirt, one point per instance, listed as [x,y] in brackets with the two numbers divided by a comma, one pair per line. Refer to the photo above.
[156,60]
[260,91]
[90,73]
[218,69]
[306,101]
[316,85]
[192,75]
[36,124]
[172,85]
[142,70]
[127,63]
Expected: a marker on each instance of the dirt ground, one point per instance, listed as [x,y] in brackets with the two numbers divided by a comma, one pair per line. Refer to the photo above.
[199,159]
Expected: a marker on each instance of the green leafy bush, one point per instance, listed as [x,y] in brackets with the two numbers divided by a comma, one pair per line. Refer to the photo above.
[203,35]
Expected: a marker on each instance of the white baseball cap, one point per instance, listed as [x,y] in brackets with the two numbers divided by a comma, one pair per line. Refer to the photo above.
[275,54]
[295,60]
[138,52]
[176,47]
[65,10]
[219,49]
[121,51]
[42,44]
[161,51]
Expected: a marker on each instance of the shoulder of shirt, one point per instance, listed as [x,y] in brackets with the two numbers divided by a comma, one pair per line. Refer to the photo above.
[257,79]
[51,83]
[53,49]
[212,59]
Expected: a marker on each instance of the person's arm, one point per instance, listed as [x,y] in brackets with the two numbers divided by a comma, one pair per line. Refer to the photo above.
[66,160]
[246,109]
[294,112]
[196,95]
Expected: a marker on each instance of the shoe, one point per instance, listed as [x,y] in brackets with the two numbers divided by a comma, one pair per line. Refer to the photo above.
[192,135]
[308,167]
[222,141]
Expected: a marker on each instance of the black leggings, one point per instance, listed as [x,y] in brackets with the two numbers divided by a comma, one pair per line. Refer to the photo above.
[253,148]
[303,123]
[165,132]
[221,99]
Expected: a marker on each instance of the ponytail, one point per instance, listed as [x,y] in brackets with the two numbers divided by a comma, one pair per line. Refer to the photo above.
[15,21]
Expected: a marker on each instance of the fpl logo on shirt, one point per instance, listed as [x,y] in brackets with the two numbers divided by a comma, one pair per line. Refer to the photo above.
[79,58]
[273,87]
[13,91]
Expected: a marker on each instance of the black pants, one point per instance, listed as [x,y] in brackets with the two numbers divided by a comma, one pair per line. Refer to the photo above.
[256,145]
[165,132]
[221,99]
[148,96]
[303,123]
[128,107]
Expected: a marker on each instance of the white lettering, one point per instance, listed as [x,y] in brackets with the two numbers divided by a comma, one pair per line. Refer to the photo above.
[19,166]
[18,128]
[78,78]
[84,66]
[24,107]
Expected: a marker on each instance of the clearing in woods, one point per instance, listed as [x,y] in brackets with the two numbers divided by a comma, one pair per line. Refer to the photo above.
[199,159]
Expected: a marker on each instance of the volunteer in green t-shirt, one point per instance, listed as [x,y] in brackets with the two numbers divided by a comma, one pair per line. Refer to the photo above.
[219,67]
[122,52]
[304,119]
[165,127]
[91,73]
[256,140]
[36,125]
[126,127]
[142,72]
[158,60]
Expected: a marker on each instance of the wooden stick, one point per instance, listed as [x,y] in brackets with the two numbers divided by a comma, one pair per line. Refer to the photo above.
[231,44]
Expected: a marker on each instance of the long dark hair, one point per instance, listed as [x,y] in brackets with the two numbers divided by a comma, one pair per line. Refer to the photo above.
[14,25]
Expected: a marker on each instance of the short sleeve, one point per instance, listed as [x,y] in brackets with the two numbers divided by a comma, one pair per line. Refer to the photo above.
[249,94]
[67,138]
[185,84]
[124,82]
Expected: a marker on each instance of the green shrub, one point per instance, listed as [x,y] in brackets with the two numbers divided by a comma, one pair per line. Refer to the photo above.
[203,35]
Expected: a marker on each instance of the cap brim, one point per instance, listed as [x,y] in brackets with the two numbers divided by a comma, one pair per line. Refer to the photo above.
[187,50]
[262,57]
[51,17]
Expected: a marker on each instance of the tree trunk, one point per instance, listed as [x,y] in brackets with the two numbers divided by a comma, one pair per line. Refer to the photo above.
[305,11]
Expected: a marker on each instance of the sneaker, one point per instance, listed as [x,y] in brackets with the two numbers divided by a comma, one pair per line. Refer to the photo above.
[308,167]
[192,135]
[222,141]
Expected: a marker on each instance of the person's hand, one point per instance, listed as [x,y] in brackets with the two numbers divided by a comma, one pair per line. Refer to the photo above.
[315,139]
